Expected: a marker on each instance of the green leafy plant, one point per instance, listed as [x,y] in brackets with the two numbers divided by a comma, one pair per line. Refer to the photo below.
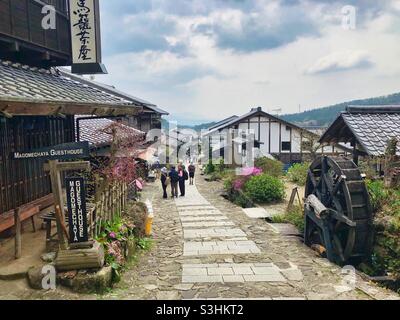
[115,234]
[298,173]
[145,244]
[379,195]
[294,216]
[209,168]
[271,167]
[264,189]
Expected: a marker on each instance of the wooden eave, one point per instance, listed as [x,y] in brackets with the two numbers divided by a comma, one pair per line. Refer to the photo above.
[21,107]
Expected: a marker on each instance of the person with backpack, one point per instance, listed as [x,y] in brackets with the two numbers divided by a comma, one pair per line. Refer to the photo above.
[192,171]
[173,175]
[183,176]
[164,181]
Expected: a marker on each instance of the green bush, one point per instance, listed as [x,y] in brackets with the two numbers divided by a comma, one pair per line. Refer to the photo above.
[378,194]
[215,176]
[264,189]
[274,168]
[220,167]
[298,173]
[294,216]
[210,168]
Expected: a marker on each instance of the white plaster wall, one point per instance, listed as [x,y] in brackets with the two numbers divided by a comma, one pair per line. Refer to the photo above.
[275,137]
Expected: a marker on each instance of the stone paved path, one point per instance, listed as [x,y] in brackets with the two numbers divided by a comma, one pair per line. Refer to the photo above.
[208,248]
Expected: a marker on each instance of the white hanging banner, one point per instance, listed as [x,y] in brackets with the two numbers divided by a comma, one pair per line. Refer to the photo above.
[85,37]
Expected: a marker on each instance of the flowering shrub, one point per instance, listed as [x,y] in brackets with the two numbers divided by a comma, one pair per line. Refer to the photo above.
[114,237]
[234,186]
[265,189]
[271,167]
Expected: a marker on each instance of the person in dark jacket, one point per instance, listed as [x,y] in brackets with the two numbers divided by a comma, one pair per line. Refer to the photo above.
[164,181]
[183,176]
[173,175]
[192,171]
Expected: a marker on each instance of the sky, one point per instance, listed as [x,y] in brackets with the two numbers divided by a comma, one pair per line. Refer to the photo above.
[204,60]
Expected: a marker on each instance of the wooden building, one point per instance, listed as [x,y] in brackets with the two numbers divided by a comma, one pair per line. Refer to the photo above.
[367,128]
[38,102]
[272,136]
[22,38]
[37,109]
[150,116]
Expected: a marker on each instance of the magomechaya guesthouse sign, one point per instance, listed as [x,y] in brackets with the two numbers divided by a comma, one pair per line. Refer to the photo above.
[67,151]
[77,214]
[85,37]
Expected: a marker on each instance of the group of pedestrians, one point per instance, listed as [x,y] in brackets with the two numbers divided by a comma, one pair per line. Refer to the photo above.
[176,178]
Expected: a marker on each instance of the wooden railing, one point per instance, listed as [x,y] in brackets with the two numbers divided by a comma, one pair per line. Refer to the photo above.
[109,202]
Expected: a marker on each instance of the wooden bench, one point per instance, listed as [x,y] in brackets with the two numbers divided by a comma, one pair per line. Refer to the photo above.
[7,220]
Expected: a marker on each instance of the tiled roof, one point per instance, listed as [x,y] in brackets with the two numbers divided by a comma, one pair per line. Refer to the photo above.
[93,130]
[224,121]
[374,127]
[254,111]
[112,90]
[21,82]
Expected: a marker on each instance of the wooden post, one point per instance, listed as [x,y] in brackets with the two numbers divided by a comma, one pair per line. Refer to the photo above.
[56,188]
[18,235]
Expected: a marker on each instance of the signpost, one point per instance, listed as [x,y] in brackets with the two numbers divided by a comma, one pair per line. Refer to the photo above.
[77,214]
[85,37]
[67,151]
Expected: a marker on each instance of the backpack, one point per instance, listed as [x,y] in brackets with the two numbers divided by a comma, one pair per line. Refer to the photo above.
[185,175]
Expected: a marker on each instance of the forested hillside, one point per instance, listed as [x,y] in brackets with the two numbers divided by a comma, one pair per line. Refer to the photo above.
[325,116]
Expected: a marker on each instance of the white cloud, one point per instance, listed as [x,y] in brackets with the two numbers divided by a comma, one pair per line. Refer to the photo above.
[341,61]
[209,81]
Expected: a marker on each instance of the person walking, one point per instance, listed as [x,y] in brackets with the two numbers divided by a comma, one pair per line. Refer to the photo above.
[192,171]
[164,181]
[174,177]
[183,176]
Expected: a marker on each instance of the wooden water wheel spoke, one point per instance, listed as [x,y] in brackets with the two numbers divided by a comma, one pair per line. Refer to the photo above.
[346,227]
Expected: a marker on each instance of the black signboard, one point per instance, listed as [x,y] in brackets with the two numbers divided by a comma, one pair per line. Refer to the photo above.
[67,151]
[77,214]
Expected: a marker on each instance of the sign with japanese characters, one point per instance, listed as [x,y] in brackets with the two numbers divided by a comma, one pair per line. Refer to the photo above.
[67,151]
[85,37]
[77,214]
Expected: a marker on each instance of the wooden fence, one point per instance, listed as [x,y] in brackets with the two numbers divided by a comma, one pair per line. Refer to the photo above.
[109,202]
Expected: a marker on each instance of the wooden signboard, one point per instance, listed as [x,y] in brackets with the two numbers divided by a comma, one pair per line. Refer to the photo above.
[85,37]
[77,214]
[67,151]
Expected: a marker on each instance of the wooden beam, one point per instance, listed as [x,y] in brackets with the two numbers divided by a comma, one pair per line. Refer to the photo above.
[46,108]
[68,166]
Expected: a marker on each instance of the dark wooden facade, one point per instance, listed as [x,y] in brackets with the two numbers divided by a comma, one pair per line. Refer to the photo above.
[24,181]
[23,39]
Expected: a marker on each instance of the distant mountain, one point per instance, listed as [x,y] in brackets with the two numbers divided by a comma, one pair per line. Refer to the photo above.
[321,117]
[199,127]
[325,116]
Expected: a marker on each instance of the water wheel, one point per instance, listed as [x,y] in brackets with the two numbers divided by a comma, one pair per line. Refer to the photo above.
[342,225]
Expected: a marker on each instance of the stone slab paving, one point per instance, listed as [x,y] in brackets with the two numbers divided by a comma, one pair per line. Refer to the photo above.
[213,233]
[219,247]
[256,213]
[197,213]
[158,274]
[204,218]
[207,224]
[235,273]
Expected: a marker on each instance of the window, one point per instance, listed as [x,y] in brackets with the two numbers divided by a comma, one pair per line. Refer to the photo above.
[286,146]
